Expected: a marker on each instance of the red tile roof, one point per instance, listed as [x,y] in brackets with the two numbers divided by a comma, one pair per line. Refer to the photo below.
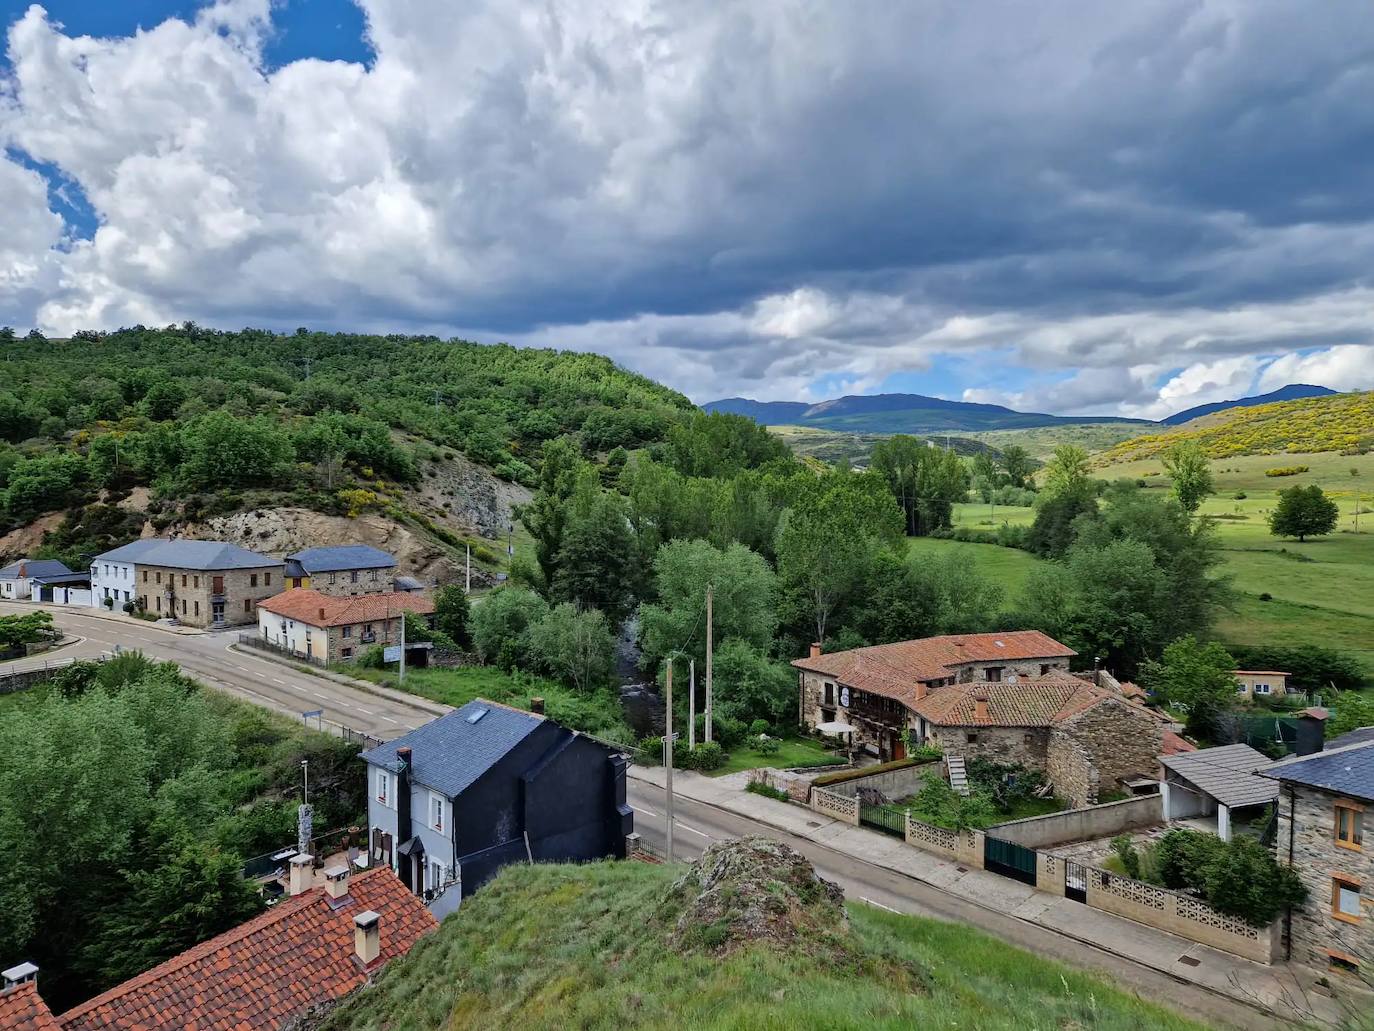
[1173,744]
[264,971]
[23,1009]
[893,670]
[1028,702]
[322,610]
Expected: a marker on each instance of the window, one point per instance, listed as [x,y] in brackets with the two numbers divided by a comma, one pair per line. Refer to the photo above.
[331,577]
[1261,689]
[183,606]
[159,603]
[1350,825]
[353,577]
[252,579]
[267,579]
[197,608]
[383,787]
[1241,689]
[145,576]
[195,581]
[436,875]
[829,693]
[247,605]
[107,570]
[347,653]
[436,811]
[1345,899]
[1343,964]
[993,674]
[971,737]
[1045,668]
[373,576]
[183,579]
[157,577]
[348,631]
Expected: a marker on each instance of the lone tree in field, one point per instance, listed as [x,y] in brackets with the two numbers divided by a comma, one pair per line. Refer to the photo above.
[1303,512]
[1187,464]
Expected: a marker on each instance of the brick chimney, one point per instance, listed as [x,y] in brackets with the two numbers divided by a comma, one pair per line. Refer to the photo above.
[367,938]
[815,649]
[537,706]
[23,570]
[336,885]
[17,975]
[302,873]
[322,614]
[980,707]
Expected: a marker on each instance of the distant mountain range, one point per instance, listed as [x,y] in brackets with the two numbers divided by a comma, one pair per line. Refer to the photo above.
[897,413]
[1289,393]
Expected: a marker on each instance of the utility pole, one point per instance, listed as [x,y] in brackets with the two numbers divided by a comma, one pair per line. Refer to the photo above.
[467,585]
[692,705]
[401,669]
[710,704]
[668,758]
[436,400]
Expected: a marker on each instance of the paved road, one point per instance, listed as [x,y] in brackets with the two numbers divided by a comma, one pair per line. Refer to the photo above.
[208,657]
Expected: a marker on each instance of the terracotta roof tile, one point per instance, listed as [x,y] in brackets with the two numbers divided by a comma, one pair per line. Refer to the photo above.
[266,970]
[1174,744]
[23,1009]
[898,667]
[305,606]
[1028,702]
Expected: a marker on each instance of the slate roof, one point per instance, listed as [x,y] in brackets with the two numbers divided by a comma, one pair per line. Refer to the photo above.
[892,670]
[408,583]
[310,606]
[341,556]
[34,568]
[1227,773]
[1027,702]
[1348,770]
[23,1009]
[449,754]
[187,554]
[263,972]
[1357,736]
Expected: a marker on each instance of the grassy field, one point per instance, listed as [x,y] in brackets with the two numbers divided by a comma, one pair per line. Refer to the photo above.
[792,752]
[1005,566]
[1041,441]
[1320,591]
[593,947]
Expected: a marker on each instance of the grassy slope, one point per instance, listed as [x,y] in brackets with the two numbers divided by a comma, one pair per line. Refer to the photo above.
[1314,424]
[587,947]
[1326,600]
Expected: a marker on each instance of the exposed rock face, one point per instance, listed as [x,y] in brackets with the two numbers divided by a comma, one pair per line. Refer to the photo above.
[756,889]
[24,541]
[281,531]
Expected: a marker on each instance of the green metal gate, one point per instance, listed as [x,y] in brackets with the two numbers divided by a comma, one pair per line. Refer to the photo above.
[1009,859]
[888,819]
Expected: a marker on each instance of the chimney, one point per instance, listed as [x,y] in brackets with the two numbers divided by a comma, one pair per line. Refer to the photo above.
[404,828]
[537,706]
[302,873]
[321,614]
[1311,731]
[367,938]
[23,570]
[336,885]
[403,754]
[815,649]
[15,976]
[980,707]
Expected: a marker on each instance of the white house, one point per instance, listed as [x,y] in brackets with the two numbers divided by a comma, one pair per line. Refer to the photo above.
[112,575]
[41,580]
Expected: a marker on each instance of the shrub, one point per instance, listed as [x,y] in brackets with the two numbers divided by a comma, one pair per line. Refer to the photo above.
[1239,495]
[758,787]
[1266,596]
[758,728]
[1126,852]
[765,745]
[1286,470]
[840,776]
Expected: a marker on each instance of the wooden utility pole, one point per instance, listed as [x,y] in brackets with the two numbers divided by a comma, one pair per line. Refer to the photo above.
[401,669]
[710,703]
[668,758]
[692,705]
[467,584]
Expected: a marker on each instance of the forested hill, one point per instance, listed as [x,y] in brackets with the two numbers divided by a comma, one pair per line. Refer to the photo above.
[309,416]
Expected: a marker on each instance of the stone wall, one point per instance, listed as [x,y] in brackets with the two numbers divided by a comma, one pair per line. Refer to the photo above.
[1022,745]
[23,680]
[797,786]
[1120,739]
[894,784]
[1071,771]
[350,583]
[187,594]
[1316,857]
[1099,821]
[976,672]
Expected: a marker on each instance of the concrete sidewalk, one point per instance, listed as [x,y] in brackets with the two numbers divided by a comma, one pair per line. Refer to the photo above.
[1272,988]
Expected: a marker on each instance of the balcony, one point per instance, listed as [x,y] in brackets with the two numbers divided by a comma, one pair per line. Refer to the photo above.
[368,637]
[877,710]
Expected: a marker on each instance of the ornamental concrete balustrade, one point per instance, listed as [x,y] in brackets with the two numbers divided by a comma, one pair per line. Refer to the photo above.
[837,807]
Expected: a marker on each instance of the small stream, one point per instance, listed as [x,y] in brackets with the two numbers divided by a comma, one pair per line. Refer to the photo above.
[640,699]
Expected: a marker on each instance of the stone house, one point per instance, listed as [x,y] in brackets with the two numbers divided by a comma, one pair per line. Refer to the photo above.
[344,570]
[1215,783]
[1324,805]
[199,583]
[875,689]
[1087,740]
[1252,683]
[326,629]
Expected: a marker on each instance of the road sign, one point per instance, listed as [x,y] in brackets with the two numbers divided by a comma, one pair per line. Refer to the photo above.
[391,653]
[312,714]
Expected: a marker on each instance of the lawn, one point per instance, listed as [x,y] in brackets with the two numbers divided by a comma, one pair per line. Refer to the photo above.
[596,946]
[597,713]
[1006,566]
[795,751]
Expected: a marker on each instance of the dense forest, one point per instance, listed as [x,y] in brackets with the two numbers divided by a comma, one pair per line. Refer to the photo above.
[330,421]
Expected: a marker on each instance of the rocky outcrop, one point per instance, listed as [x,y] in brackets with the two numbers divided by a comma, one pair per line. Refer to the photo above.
[24,541]
[756,889]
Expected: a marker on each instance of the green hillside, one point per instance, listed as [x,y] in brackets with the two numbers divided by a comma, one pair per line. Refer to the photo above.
[211,422]
[1340,422]
[614,946]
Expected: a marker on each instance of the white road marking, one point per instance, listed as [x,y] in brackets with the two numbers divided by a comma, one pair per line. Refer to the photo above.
[362,710]
[278,680]
[318,695]
[645,809]
[389,720]
[865,898]
[691,830]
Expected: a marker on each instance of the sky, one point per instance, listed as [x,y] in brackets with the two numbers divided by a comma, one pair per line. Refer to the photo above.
[1066,206]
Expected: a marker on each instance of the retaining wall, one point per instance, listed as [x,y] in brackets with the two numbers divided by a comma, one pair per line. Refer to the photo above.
[1098,821]
[894,784]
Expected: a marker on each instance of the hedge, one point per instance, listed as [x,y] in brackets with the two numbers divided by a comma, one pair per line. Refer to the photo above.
[840,776]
